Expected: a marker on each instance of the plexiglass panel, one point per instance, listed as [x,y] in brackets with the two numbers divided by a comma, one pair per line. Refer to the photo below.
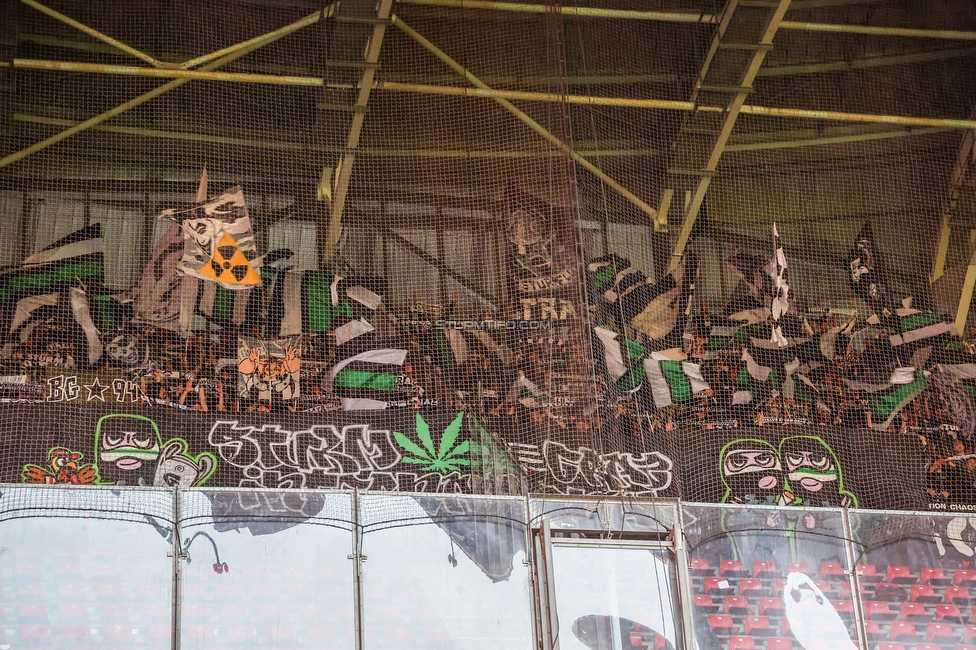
[769,573]
[613,597]
[266,570]
[916,573]
[445,572]
[85,568]
[566,515]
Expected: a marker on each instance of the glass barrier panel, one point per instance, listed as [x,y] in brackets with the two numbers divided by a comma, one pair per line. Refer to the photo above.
[85,567]
[614,596]
[266,569]
[769,575]
[916,573]
[445,572]
[620,516]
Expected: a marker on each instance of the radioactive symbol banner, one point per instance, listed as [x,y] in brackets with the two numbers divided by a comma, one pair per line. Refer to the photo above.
[218,243]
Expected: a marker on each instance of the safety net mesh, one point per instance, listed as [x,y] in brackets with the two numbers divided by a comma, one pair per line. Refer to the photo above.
[675,248]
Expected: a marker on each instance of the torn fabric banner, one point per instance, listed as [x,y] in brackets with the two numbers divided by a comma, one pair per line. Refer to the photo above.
[218,243]
[884,405]
[671,382]
[867,275]
[41,286]
[621,359]
[918,327]
[659,306]
[371,380]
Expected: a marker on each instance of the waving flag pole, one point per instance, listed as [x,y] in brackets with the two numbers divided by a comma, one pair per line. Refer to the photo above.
[781,291]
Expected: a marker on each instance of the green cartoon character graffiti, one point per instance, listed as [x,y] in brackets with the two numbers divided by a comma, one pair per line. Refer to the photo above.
[813,473]
[751,472]
[130,451]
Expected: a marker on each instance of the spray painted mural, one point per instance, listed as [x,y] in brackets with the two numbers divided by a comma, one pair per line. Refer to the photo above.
[226,366]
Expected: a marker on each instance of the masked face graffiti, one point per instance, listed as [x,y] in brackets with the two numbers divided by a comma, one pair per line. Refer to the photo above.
[752,472]
[127,448]
[813,473]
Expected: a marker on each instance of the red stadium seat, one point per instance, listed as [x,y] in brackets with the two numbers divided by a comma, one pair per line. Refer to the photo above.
[843,606]
[832,571]
[779,643]
[928,646]
[736,605]
[732,569]
[751,587]
[925,594]
[826,587]
[872,628]
[868,573]
[966,577]
[798,567]
[742,643]
[968,633]
[705,603]
[764,570]
[878,610]
[940,633]
[717,586]
[759,626]
[949,613]
[721,624]
[958,595]
[845,589]
[784,626]
[891,646]
[771,607]
[29,611]
[34,632]
[902,630]
[900,575]
[779,586]
[913,612]
[934,576]
[963,647]
[699,566]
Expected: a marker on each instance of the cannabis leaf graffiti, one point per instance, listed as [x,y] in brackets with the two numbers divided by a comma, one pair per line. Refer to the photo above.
[447,457]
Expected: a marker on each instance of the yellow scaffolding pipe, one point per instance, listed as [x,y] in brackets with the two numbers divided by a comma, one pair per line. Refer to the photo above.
[311,19]
[583,12]
[94,32]
[525,119]
[281,145]
[138,101]
[171,73]
[689,17]
[499,95]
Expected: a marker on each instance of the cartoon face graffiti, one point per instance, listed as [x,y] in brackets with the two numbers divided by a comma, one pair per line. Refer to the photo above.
[127,447]
[751,472]
[177,468]
[813,472]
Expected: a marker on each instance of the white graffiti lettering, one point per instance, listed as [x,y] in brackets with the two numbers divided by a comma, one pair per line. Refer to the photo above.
[322,456]
[583,471]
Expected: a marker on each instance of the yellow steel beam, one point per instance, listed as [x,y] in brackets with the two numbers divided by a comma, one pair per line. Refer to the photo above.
[94,32]
[735,107]
[287,29]
[582,12]
[138,101]
[964,161]
[525,119]
[171,73]
[344,168]
[490,93]
[691,17]
[965,300]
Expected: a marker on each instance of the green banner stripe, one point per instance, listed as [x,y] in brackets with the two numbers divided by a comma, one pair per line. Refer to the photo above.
[43,279]
[364,379]
[883,404]
[678,382]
